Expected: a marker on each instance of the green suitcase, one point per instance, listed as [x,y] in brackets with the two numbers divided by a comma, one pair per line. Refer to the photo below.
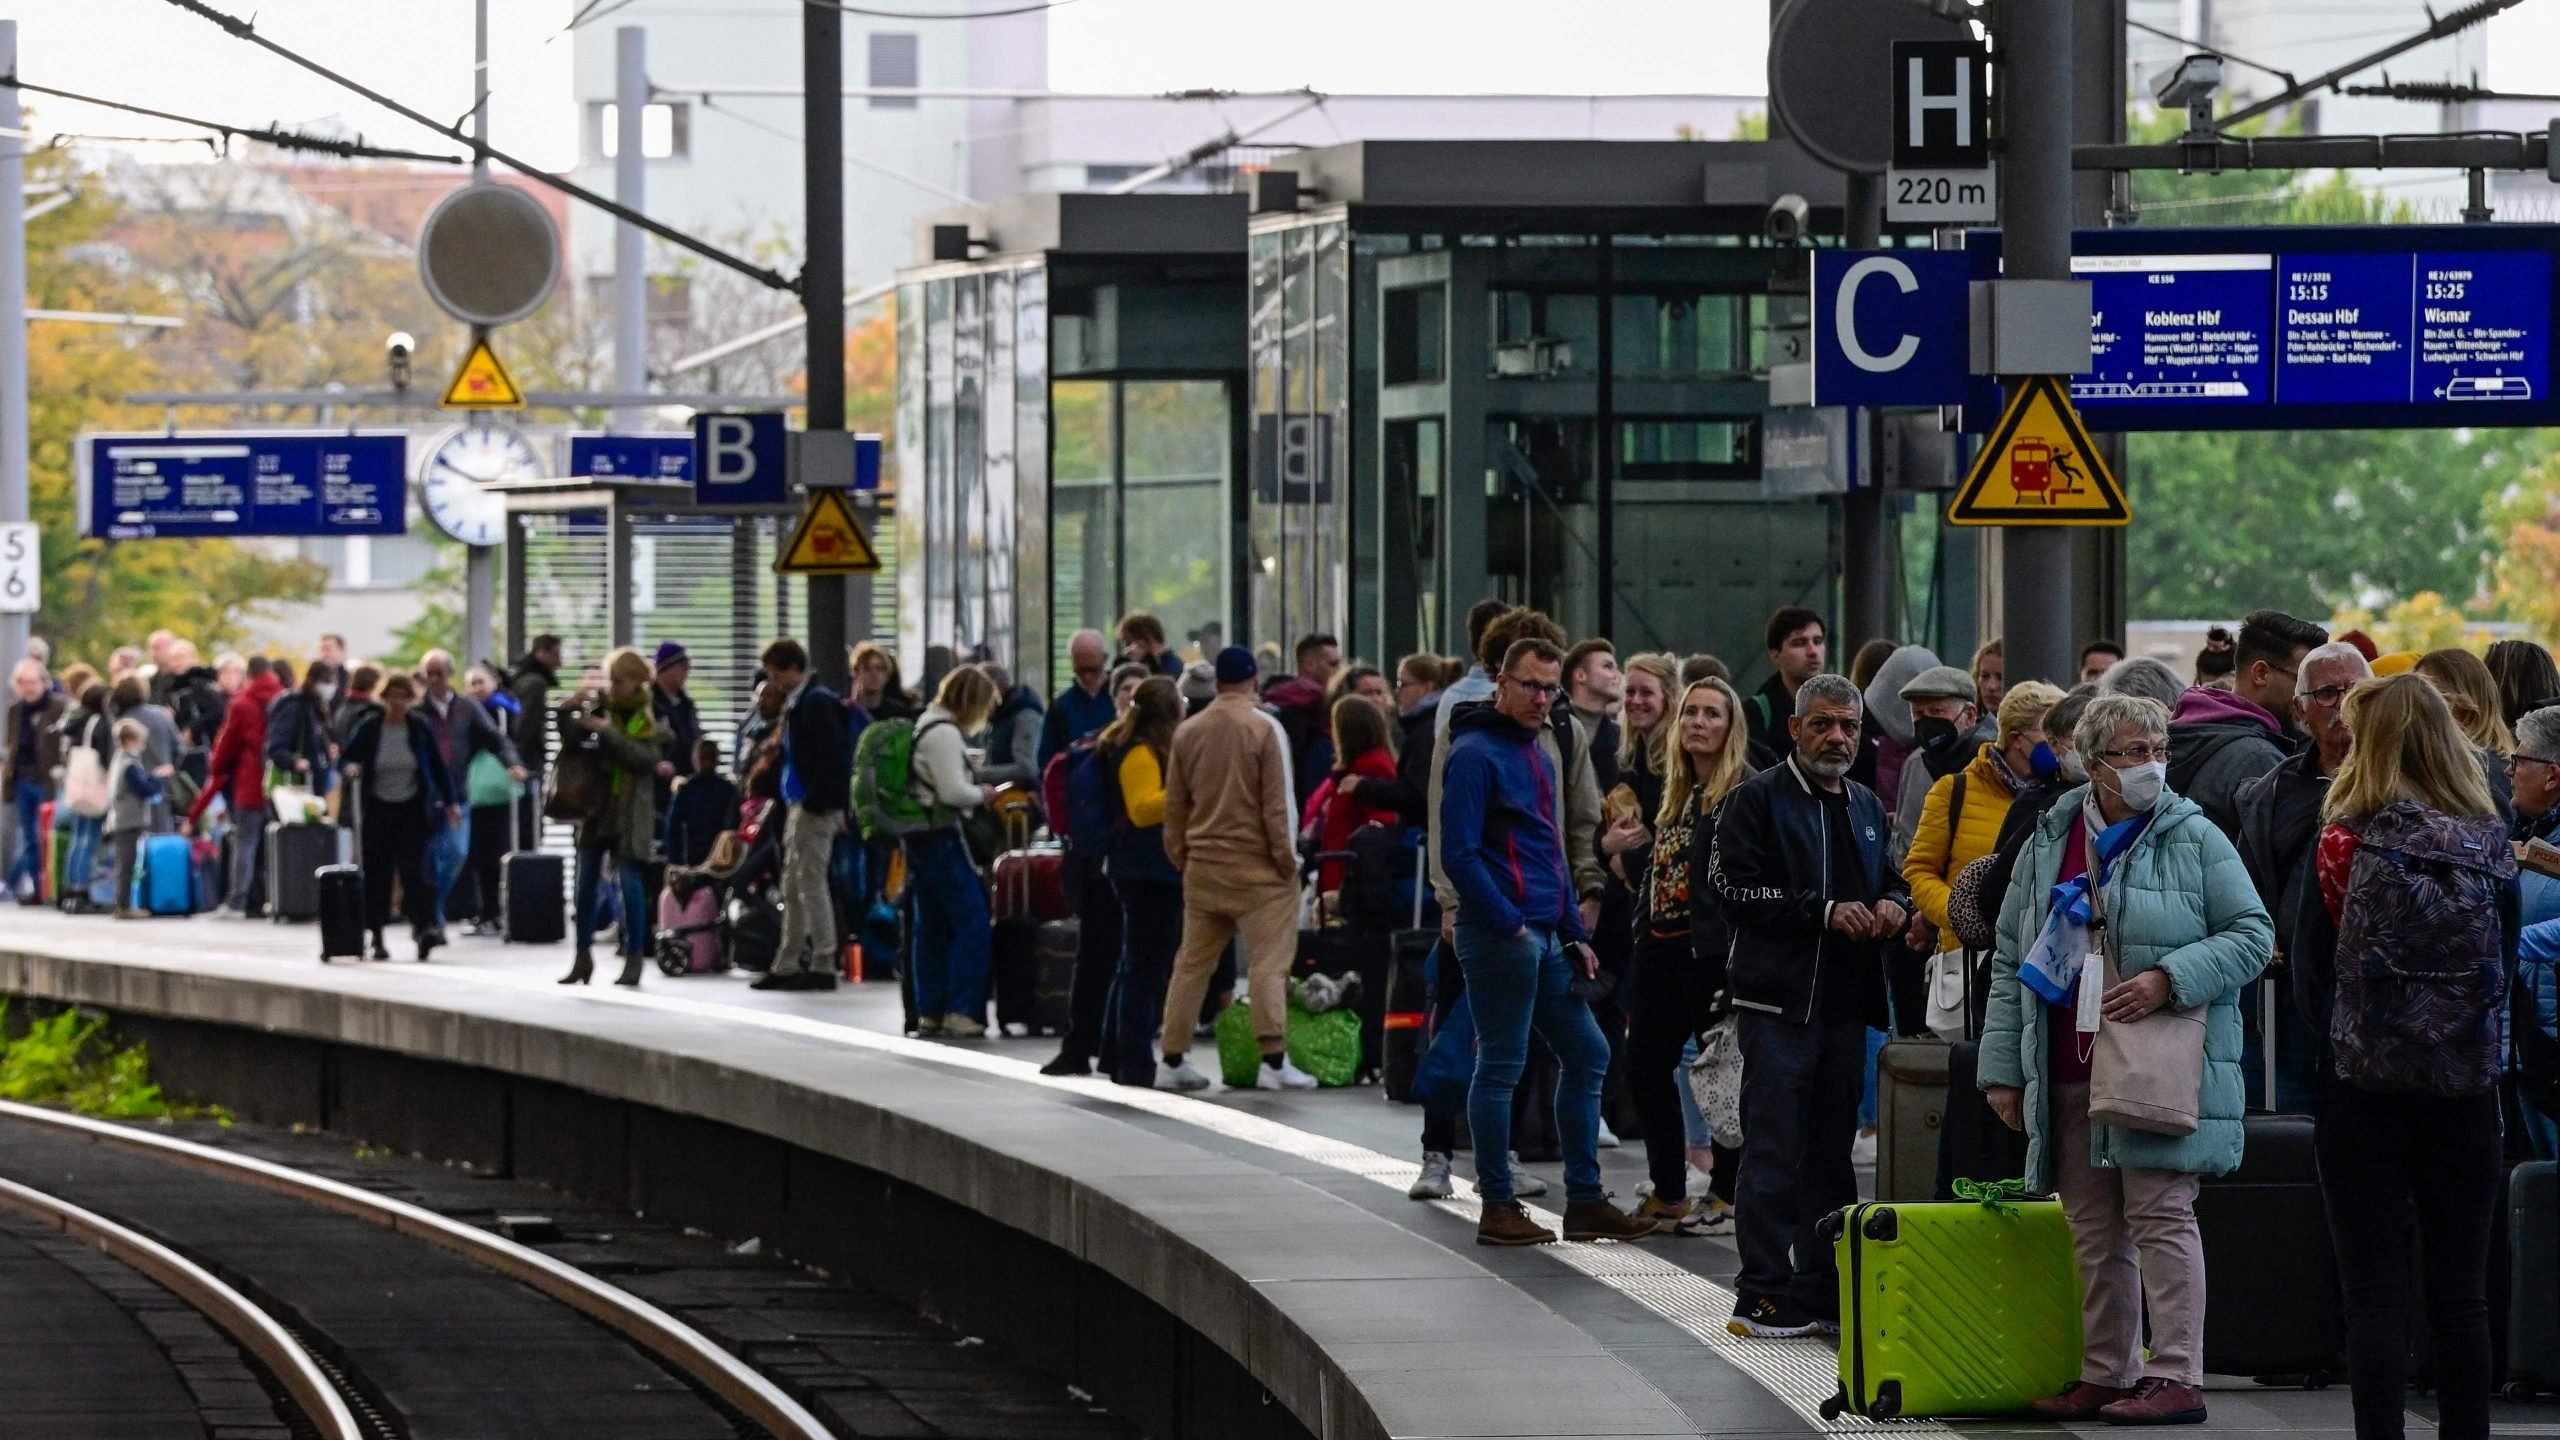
[1963,1308]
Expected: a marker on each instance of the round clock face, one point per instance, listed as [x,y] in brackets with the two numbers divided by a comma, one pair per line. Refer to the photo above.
[450,488]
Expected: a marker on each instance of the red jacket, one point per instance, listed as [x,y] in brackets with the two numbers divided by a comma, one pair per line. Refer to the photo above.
[1340,815]
[238,766]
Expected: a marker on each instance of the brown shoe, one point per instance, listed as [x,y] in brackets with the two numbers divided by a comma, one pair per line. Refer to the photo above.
[2082,1401]
[1508,1224]
[1600,1220]
[2157,1401]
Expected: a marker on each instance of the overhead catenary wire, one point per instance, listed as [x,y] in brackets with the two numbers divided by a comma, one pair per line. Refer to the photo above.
[282,139]
[878,14]
[957,197]
[242,30]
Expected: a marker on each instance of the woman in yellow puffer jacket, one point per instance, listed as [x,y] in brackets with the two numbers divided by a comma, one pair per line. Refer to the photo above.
[1960,824]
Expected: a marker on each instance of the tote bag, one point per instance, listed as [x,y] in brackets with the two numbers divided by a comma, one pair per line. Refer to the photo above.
[2148,1075]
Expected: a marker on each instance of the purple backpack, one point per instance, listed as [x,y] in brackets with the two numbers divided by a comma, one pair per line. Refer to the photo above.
[2422,955]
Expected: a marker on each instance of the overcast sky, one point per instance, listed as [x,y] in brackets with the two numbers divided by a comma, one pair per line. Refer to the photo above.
[420,51]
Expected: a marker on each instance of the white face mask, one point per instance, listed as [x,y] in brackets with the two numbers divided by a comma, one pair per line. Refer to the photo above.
[2074,769]
[328,691]
[2140,786]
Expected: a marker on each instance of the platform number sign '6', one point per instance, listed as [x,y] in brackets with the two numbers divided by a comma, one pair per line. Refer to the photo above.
[21,568]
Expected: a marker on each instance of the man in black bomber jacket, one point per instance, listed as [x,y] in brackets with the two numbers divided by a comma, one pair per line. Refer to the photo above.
[1799,873]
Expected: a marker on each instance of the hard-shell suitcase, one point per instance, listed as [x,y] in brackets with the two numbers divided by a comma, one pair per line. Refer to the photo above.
[1030,884]
[295,855]
[2533,1291]
[1053,961]
[1029,894]
[2268,1263]
[533,897]
[689,932]
[1954,1309]
[164,876]
[340,891]
[1407,1018]
[1911,1106]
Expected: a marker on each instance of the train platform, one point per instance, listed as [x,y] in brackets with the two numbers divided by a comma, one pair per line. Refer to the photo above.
[1274,1225]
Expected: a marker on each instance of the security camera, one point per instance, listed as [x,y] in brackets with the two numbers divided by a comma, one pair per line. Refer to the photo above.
[1786,221]
[2192,80]
[397,350]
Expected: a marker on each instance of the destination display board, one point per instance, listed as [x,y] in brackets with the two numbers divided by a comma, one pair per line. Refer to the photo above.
[236,484]
[2310,328]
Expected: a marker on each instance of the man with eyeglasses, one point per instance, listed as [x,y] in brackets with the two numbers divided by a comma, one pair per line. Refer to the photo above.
[1080,712]
[2279,823]
[1083,707]
[1800,873]
[1522,942]
[2535,770]
[2220,740]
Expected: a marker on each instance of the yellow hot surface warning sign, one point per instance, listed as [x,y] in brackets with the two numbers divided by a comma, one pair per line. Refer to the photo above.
[2040,467]
[483,382]
[829,540]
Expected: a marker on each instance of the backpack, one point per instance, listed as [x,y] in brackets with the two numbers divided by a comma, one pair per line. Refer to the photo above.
[883,799]
[2421,954]
[1090,798]
[1053,785]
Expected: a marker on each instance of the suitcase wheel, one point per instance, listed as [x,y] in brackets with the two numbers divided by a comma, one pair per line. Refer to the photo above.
[672,956]
[1888,1401]
[1836,1406]
[1830,1226]
[1881,1225]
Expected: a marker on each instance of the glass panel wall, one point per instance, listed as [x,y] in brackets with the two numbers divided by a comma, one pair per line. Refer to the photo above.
[1297,525]
[1176,473]
[1030,551]
[1084,518]
[936,558]
[968,545]
[910,478]
[997,632]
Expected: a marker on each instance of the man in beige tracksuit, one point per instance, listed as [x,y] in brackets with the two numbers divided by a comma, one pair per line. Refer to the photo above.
[1228,829]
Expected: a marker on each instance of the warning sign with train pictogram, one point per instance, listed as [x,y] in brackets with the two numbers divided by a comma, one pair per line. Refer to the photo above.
[2040,467]
[829,540]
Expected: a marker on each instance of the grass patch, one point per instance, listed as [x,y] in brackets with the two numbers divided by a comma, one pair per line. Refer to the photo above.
[68,1059]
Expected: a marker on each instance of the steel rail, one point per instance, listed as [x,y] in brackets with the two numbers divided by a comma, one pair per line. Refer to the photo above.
[204,1292]
[643,1324]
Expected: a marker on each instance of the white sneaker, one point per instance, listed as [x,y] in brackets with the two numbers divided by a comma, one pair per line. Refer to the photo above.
[1862,1151]
[1286,1077]
[1524,1186]
[1433,1183]
[1178,1075]
[1608,1137]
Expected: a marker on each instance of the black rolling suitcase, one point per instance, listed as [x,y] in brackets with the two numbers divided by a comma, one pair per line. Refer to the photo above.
[340,890]
[2533,1287]
[533,897]
[1406,1024]
[2269,1266]
[1973,1144]
[295,855]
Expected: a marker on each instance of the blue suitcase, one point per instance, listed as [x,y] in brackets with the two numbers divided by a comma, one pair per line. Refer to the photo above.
[164,880]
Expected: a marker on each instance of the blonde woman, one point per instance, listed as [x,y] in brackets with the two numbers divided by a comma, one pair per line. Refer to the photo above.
[1678,975]
[949,955]
[2408,992]
[2471,692]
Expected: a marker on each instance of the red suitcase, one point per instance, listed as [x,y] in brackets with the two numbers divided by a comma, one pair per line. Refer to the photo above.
[1030,884]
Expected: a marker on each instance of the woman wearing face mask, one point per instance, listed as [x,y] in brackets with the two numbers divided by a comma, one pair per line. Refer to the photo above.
[1943,715]
[2183,929]
[1959,824]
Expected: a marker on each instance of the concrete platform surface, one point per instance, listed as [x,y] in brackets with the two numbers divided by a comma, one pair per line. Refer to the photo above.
[1273,1224]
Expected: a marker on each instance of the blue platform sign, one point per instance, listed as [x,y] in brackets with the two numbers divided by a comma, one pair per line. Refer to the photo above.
[741,459]
[866,462]
[1890,327]
[2310,328]
[238,484]
[632,457]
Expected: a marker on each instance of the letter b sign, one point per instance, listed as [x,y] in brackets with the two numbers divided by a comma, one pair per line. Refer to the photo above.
[740,460]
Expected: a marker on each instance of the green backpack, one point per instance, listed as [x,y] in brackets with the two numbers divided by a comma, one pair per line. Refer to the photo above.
[884,802]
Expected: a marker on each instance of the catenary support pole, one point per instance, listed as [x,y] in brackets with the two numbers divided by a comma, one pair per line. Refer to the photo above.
[480,562]
[2035,219]
[822,288]
[1866,570]
[630,256]
[13,320]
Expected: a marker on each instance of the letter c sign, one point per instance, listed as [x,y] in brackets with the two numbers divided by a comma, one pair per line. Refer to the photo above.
[1845,315]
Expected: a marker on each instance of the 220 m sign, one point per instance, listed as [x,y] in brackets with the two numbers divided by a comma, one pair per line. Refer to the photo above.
[1941,197]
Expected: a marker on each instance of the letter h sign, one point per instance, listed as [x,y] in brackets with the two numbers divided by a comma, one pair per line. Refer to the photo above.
[1941,105]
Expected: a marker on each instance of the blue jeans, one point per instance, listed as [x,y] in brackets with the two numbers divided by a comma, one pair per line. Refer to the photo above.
[79,868]
[28,797]
[1800,1088]
[1516,982]
[845,881]
[952,928]
[447,853]
[631,882]
[1133,1008]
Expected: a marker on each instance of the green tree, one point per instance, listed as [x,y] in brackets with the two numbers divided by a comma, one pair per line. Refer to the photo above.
[2306,521]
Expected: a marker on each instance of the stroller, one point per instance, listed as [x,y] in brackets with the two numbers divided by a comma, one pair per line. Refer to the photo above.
[697,911]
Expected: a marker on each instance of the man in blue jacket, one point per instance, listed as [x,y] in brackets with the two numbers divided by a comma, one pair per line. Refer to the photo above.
[1521,942]
[817,780]
[1799,872]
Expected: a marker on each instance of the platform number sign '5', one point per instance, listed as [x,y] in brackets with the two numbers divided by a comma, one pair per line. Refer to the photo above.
[21,568]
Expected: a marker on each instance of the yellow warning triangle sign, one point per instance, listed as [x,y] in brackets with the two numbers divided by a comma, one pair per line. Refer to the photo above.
[829,540]
[483,382]
[2040,467]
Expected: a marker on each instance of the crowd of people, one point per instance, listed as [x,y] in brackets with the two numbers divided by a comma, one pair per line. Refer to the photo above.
[1656,897]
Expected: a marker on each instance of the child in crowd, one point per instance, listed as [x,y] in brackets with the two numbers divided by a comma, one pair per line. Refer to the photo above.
[136,786]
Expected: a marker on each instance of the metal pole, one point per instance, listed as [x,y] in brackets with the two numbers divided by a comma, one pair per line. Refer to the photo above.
[480,562]
[2035,219]
[13,320]
[822,287]
[630,186]
[1866,572]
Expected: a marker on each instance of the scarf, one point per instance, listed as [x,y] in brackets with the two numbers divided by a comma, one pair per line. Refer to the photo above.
[639,724]
[2052,965]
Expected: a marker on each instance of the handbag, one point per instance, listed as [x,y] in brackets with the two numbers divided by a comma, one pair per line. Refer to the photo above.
[1944,987]
[579,785]
[2147,1075]
[487,783]
[1715,1081]
[84,784]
